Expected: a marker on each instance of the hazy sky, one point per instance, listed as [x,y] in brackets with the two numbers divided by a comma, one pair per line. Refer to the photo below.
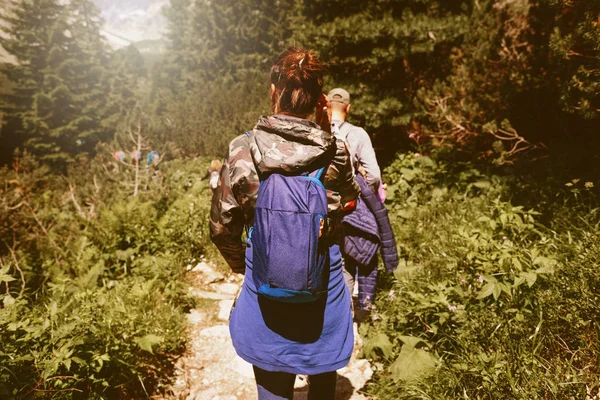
[132,20]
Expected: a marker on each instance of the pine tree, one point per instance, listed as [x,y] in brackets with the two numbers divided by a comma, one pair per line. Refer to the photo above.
[90,83]
[238,36]
[382,53]
[182,42]
[222,40]
[211,86]
[61,89]
[127,72]
[27,27]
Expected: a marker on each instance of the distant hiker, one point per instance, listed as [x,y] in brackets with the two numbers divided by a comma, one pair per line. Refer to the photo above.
[119,155]
[153,158]
[213,174]
[293,313]
[358,140]
[367,229]
[135,156]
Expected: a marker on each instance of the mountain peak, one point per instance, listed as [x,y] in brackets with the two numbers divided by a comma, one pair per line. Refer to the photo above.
[132,21]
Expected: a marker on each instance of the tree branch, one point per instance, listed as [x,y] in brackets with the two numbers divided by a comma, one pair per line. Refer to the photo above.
[74,200]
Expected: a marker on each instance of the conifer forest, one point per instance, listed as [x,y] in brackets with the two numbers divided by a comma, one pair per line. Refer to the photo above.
[485,117]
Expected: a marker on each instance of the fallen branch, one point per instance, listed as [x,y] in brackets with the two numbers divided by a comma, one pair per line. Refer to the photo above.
[75,203]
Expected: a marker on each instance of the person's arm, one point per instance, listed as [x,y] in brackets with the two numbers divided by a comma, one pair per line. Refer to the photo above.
[227,220]
[366,158]
[342,189]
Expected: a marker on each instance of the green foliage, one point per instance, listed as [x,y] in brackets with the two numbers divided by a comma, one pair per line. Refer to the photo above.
[65,98]
[522,80]
[383,53]
[211,41]
[574,46]
[37,19]
[212,84]
[203,120]
[487,302]
[127,72]
[497,292]
[78,338]
[92,285]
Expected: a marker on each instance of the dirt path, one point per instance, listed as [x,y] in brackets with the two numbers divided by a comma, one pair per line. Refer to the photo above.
[211,370]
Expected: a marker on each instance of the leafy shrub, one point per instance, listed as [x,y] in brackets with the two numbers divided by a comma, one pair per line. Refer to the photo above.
[185,225]
[100,314]
[487,302]
[98,342]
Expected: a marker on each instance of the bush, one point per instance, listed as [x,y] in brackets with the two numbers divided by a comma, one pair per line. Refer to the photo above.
[100,342]
[487,302]
[101,314]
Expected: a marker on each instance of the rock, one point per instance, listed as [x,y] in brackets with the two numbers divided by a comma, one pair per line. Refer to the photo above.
[179,386]
[210,295]
[228,288]
[236,278]
[211,369]
[358,341]
[242,367]
[207,273]
[216,331]
[201,394]
[225,307]
[355,375]
[358,372]
[196,317]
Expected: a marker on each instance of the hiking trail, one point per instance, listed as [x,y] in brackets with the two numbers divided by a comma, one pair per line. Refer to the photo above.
[211,370]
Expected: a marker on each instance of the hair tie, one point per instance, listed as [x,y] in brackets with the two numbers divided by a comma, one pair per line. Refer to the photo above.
[300,63]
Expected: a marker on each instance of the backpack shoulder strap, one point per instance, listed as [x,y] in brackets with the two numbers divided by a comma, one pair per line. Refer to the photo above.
[318,174]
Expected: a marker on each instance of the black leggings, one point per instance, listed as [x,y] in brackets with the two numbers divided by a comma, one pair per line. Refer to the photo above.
[280,385]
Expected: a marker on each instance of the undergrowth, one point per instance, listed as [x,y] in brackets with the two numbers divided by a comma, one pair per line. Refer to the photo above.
[488,303]
[92,306]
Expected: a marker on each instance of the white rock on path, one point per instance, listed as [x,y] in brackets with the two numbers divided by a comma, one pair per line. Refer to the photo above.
[195,317]
[216,331]
[358,372]
[208,273]
[228,288]
[242,367]
[225,307]
[211,369]
[203,294]
[300,382]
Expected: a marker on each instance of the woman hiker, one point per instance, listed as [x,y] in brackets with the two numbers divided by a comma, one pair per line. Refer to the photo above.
[281,329]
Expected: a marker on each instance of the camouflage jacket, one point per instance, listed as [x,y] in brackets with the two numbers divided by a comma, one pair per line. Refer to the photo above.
[277,144]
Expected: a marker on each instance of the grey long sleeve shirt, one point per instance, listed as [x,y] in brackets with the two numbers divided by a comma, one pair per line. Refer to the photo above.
[361,150]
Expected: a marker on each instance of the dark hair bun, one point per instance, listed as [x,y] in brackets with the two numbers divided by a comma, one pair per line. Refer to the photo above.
[298,79]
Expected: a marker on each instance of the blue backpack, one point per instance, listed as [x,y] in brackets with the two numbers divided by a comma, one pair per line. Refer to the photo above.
[290,257]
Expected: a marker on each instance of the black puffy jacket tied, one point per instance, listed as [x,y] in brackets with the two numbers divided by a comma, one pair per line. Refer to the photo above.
[367,230]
